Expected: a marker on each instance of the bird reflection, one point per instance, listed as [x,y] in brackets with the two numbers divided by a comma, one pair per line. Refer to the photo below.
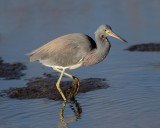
[77,110]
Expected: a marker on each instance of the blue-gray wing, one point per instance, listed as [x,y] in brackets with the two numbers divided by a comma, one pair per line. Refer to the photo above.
[64,51]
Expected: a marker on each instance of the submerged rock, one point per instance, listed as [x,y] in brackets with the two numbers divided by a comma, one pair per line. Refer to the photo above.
[45,87]
[145,47]
[11,71]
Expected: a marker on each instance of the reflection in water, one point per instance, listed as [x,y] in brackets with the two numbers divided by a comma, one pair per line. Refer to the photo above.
[76,108]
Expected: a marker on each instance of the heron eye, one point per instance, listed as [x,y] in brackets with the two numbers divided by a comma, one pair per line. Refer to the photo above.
[106,31]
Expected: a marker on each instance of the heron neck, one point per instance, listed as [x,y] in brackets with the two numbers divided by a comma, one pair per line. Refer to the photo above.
[103,46]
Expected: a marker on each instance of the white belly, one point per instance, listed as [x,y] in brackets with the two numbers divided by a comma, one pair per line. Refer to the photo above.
[61,67]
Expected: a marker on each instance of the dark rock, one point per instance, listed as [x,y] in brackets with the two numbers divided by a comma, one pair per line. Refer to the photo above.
[145,47]
[11,71]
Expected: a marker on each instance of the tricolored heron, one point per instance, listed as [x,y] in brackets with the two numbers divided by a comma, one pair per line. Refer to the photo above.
[74,50]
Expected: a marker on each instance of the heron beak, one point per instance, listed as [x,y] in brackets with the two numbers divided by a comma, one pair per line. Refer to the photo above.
[116,36]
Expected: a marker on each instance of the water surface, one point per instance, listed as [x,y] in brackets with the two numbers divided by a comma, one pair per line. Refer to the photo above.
[134,77]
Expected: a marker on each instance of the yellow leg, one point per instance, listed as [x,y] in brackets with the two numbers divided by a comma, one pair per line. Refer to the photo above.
[58,70]
[58,85]
[76,81]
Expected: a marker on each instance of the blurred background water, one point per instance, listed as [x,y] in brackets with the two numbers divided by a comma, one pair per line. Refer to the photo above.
[134,77]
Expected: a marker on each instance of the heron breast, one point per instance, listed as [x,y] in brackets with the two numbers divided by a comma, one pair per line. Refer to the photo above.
[90,59]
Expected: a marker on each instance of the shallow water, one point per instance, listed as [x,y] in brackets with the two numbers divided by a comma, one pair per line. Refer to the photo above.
[134,77]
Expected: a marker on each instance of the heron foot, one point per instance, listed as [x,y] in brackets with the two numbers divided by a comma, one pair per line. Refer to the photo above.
[75,85]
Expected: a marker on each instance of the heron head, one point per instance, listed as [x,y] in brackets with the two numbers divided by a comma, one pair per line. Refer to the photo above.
[106,30]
